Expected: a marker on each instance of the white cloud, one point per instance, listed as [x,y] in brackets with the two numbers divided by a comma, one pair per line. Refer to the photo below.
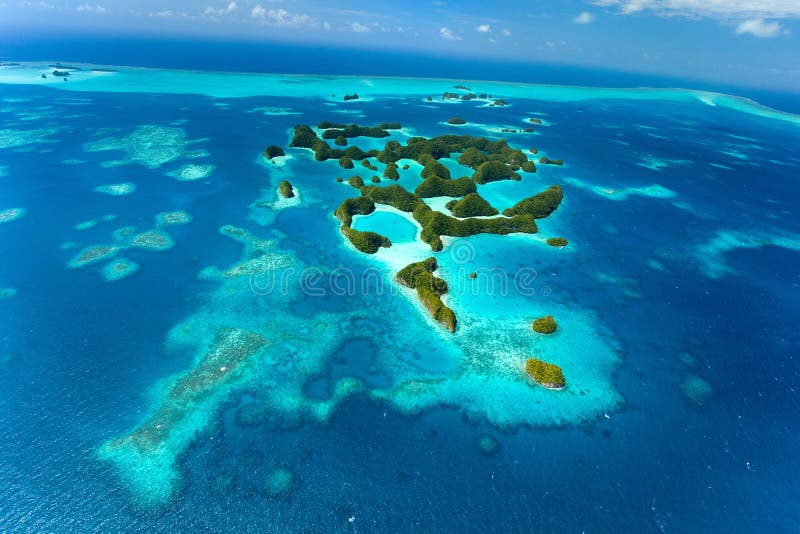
[90,8]
[483,28]
[258,12]
[35,5]
[506,32]
[281,17]
[448,34]
[760,28]
[709,8]
[211,12]
[359,28]
[584,18]
[165,13]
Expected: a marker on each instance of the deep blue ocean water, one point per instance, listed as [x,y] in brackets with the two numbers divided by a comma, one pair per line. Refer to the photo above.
[82,352]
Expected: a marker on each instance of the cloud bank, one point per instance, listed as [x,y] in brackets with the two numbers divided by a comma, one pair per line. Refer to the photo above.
[709,8]
[760,28]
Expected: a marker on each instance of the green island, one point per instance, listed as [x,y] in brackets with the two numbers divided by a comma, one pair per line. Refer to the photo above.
[354,96]
[472,205]
[435,223]
[333,130]
[471,214]
[538,206]
[546,374]
[557,242]
[492,171]
[356,181]
[286,189]
[366,242]
[273,151]
[547,161]
[545,325]
[456,120]
[430,289]
[391,172]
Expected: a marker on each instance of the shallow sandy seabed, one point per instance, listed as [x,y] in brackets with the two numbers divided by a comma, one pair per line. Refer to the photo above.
[230,85]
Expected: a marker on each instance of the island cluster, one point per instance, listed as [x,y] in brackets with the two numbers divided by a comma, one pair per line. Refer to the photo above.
[469,213]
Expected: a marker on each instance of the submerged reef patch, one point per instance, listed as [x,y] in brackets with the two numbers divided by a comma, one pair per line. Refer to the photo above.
[10,138]
[152,240]
[238,347]
[155,239]
[7,293]
[149,452]
[172,218]
[279,482]
[191,172]
[487,444]
[11,214]
[93,254]
[619,194]
[118,269]
[149,145]
[711,255]
[696,389]
[121,189]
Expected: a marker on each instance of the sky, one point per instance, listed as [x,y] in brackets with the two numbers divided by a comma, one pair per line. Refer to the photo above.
[734,42]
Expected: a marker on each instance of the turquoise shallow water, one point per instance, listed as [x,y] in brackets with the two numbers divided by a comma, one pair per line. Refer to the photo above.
[392,225]
[676,299]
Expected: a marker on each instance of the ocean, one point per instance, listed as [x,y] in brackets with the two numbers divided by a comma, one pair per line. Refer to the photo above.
[347,408]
